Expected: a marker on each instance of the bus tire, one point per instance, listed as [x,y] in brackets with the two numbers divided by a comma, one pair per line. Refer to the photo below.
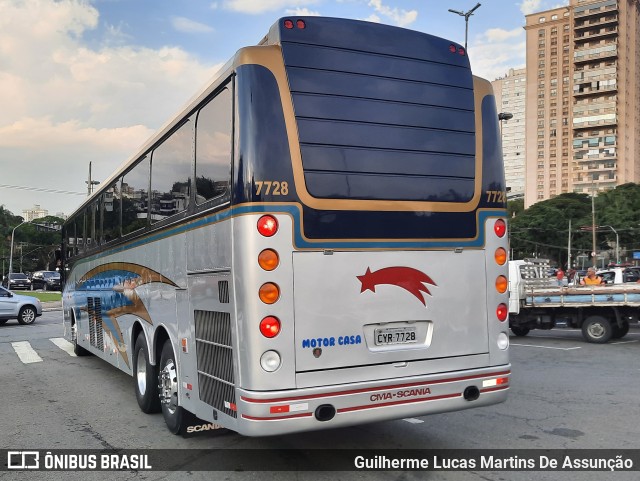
[597,329]
[620,332]
[145,377]
[78,350]
[27,315]
[175,416]
[520,331]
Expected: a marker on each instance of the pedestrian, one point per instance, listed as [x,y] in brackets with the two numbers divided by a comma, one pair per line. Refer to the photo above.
[591,278]
[562,280]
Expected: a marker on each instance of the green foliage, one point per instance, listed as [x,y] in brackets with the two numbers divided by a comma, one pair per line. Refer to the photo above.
[32,245]
[543,228]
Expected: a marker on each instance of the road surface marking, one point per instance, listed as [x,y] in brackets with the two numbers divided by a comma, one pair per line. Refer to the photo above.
[63,344]
[414,420]
[547,347]
[25,352]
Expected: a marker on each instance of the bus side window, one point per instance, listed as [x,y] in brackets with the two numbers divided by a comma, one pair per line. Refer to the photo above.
[111,213]
[171,174]
[213,148]
[135,197]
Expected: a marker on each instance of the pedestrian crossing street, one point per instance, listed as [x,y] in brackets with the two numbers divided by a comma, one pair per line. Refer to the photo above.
[28,355]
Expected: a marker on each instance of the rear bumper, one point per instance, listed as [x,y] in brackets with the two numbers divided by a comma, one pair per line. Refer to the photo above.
[280,412]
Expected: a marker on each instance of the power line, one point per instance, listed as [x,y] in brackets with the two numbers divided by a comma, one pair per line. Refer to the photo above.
[38,189]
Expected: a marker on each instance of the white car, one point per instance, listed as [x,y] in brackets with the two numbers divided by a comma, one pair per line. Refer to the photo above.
[14,306]
[618,275]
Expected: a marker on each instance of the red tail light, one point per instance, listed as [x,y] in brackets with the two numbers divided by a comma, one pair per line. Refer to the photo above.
[452,48]
[270,326]
[288,24]
[300,24]
[502,312]
[500,228]
[461,51]
[267,225]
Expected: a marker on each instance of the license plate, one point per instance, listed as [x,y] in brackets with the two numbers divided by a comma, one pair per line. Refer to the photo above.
[395,335]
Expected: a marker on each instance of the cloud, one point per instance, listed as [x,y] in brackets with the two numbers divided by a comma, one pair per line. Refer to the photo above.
[184,25]
[495,51]
[65,103]
[261,6]
[530,6]
[401,18]
[302,12]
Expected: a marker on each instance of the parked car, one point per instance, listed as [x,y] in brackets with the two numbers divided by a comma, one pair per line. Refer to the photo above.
[618,275]
[16,280]
[14,306]
[46,280]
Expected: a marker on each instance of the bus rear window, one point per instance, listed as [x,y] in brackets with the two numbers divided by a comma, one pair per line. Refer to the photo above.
[382,116]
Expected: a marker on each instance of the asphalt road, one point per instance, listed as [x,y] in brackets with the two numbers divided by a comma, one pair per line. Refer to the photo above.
[565,394]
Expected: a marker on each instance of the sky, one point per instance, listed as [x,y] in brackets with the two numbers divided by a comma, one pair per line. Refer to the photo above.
[91,80]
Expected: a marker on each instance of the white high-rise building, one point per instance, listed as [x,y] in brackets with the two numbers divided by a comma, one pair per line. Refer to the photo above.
[510,92]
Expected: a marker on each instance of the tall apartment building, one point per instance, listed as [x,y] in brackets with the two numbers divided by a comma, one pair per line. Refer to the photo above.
[510,93]
[583,100]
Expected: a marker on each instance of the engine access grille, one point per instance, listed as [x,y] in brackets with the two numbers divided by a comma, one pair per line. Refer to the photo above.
[223,292]
[215,360]
[94,309]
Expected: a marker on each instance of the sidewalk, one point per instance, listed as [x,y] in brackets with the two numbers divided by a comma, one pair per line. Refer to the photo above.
[52,306]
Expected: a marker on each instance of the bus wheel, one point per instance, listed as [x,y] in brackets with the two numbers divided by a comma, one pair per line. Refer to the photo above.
[176,417]
[619,332]
[520,331]
[145,377]
[597,329]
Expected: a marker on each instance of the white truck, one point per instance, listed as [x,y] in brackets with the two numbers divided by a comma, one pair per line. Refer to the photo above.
[536,301]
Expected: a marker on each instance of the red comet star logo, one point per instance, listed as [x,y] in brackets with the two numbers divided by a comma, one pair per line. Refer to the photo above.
[408,278]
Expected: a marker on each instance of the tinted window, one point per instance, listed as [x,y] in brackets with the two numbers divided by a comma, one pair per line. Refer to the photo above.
[213,148]
[111,212]
[135,190]
[80,232]
[171,174]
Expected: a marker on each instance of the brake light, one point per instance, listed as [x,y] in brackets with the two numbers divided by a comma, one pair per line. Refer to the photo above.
[270,326]
[501,284]
[300,24]
[268,259]
[461,51]
[500,256]
[269,293]
[452,48]
[500,227]
[267,225]
[502,312]
[288,24]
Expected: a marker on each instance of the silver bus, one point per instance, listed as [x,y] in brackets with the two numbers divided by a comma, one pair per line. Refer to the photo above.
[317,240]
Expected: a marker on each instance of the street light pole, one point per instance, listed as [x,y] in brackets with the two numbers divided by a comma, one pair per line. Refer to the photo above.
[617,242]
[11,252]
[466,16]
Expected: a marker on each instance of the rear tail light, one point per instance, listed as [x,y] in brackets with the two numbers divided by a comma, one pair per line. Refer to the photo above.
[269,293]
[500,227]
[500,256]
[270,326]
[452,48]
[502,312]
[288,24]
[461,51]
[300,24]
[267,225]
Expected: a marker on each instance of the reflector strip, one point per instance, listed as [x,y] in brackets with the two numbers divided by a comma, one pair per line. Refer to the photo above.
[230,406]
[396,403]
[276,418]
[372,389]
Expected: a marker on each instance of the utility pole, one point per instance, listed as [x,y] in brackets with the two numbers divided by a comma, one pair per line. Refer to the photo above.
[593,227]
[90,183]
[466,16]
[569,248]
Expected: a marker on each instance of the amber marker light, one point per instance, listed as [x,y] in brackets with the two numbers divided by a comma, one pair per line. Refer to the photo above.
[501,284]
[268,259]
[269,293]
[500,256]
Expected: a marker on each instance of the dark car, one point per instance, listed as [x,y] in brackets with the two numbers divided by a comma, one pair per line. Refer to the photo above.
[46,280]
[16,280]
